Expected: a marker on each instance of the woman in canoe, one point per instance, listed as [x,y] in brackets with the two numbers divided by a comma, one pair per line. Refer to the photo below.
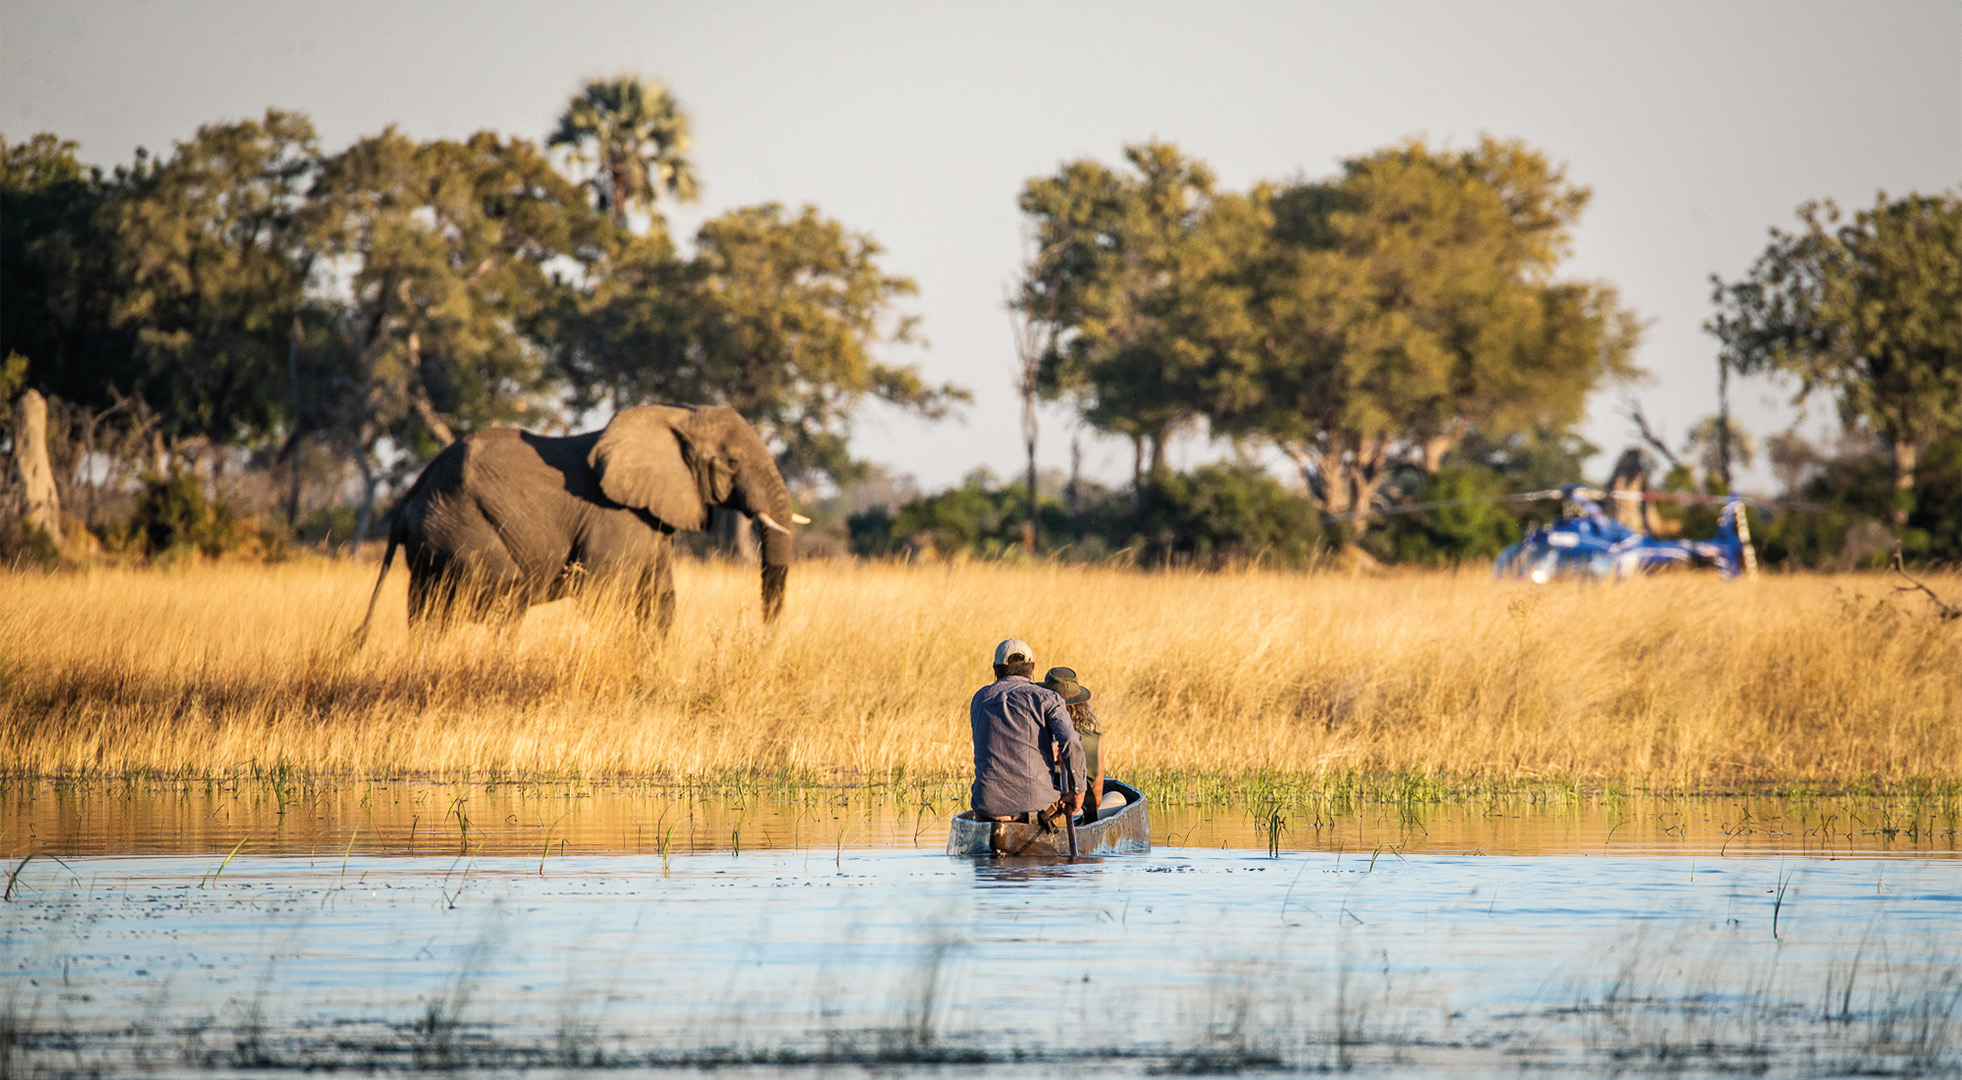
[1090,730]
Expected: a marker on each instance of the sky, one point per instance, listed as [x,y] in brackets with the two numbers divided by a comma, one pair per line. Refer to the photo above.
[1698,127]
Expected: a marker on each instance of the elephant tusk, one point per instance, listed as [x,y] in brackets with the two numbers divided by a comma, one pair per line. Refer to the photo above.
[799,519]
[771,523]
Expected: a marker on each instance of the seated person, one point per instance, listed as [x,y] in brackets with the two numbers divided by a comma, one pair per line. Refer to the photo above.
[1091,731]
[1017,727]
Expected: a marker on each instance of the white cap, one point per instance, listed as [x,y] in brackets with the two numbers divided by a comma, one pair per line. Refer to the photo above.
[1014,649]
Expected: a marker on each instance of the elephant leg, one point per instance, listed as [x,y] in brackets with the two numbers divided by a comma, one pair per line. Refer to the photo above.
[663,591]
[498,594]
[651,594]
[432,589]
[477,585]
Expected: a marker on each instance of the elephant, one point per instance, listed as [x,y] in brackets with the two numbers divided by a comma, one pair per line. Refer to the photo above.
[504,519]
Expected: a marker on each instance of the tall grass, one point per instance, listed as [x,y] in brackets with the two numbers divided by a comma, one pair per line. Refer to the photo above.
[1678,682]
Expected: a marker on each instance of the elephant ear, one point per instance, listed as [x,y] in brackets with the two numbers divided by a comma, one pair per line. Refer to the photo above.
[642,461]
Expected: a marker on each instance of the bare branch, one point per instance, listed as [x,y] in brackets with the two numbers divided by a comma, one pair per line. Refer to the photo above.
[1946,612]
[1633,410]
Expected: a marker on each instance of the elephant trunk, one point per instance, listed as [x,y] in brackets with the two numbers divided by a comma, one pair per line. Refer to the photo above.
[764,492]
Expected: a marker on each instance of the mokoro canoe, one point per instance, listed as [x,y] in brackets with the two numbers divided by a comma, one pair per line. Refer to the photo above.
[1122,831]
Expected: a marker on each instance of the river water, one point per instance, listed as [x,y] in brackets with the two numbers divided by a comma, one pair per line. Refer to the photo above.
[197,931]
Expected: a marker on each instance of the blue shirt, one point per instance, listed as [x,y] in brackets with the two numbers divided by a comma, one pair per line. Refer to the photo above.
[1017,725]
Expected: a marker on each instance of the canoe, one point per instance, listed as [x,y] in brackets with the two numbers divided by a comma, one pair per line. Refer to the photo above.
[1122,831]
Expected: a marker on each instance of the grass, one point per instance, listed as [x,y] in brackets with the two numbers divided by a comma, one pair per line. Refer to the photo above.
[1411,683]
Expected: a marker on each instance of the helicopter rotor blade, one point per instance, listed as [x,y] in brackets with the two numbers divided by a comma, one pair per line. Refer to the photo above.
[1576,491]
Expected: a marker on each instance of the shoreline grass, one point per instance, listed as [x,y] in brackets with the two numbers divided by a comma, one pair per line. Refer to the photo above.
[1408,686]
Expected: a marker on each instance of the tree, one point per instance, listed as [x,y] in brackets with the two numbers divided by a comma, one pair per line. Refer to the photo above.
[1032,311]
[1225,513]
[1868,311]
[623,338]
[782,315]
[1716,442]
[447,249]
[633,134]
[1411,301]
[56,260]
[1136,273]
[214,263]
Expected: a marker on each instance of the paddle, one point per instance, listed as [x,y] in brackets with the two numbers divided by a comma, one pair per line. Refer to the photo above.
[1069,819]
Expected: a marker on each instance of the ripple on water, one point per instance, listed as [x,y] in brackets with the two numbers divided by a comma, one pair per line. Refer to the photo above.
[1184,958]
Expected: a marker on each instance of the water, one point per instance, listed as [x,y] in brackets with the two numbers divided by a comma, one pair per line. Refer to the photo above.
[421,818]
[1775,938]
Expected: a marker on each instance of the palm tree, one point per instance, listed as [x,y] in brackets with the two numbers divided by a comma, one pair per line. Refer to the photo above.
[635,136]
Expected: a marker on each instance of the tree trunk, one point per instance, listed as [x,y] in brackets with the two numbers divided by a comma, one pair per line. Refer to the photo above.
[293,484]
[1362,474]
[1435,448]
[31,462]
[1029,441]
[1723,422]
[1076,473]
[1626,487]
[425,409]
[1366,481]
[1906,455]
[367,512]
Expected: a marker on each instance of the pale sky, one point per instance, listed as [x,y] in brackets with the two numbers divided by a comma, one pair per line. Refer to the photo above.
[1698,126]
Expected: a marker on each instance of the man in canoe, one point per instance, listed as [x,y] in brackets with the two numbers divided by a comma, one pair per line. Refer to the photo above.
[1019,725]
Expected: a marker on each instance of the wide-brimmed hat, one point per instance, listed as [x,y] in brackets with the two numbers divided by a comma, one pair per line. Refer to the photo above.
[1063,681]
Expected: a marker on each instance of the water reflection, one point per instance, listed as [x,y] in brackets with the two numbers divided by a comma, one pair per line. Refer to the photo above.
[564,820]
[1180,961]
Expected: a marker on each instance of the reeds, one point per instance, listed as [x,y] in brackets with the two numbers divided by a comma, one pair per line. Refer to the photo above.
[1679,682]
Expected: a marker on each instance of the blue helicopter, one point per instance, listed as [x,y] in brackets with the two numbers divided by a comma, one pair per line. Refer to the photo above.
[1584,542]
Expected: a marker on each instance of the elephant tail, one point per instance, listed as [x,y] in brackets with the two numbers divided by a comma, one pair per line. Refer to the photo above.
[388,558]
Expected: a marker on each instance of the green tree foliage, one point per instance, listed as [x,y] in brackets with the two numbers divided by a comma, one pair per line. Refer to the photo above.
[214,264]
[1472,523]
[623,338]
[389,298]
[1868,311]
[1362,324]
[447,250]
[980,517]
[1412,301]
[56,256]
[1216,515]
[1477,520]
[633,136]
[1851,486]
[784,314]
[1140,271]
[777,315]
[1223,514]
[174,516]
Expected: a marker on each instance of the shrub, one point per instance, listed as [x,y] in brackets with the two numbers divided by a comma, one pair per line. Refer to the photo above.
[173,518]
[1221,514]
[1478,527]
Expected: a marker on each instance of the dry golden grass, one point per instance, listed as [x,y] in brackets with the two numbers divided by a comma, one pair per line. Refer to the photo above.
[1674,682]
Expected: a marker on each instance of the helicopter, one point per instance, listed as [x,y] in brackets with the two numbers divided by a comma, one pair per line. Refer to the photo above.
[1585,542]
